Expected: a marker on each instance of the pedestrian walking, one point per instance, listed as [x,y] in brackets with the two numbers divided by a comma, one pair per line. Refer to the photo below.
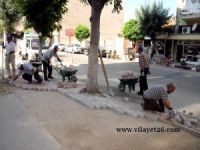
[46,61]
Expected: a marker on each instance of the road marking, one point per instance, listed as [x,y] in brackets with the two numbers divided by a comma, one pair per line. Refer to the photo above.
[155,77]
[189,76]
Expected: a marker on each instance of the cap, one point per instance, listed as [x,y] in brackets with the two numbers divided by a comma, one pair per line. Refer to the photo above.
[55,47]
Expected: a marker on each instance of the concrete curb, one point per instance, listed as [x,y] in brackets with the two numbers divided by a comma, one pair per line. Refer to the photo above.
[36,88]
[108,103]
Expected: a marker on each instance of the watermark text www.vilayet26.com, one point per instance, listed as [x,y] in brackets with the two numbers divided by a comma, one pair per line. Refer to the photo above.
[141,129]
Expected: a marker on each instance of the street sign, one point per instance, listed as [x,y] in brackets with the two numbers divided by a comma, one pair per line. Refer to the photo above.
[69,32]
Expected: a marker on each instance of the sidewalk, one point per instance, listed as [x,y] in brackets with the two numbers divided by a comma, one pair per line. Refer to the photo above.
[19,130]
[46,120]
[126,106]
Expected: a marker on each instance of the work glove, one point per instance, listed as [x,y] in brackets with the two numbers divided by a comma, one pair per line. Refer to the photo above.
[172,113]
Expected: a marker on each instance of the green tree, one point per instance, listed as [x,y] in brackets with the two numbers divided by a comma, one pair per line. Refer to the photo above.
[1,28]
[82,32]
[9,15]
[152,18]
[96,9]
[43,16]
[132,31]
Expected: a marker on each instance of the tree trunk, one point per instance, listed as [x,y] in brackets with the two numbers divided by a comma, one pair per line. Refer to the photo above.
[4,41]
[40,48]
[92,85]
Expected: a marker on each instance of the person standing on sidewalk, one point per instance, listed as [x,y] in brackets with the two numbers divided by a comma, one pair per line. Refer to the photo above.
[10,56]
[156,98]
[144,70]
[46,61]
[27,70]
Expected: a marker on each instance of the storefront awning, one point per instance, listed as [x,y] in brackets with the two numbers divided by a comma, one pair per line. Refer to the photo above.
[187,37]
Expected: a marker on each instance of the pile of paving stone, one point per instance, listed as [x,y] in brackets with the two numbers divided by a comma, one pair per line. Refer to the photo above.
[185,121]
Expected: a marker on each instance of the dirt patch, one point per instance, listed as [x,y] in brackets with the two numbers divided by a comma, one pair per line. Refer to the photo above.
[76,127]
[4,89]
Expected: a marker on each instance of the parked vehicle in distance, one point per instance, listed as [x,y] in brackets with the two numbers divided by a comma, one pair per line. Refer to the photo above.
[62,47]
[102,51]
[74,48]
[193,61]
[29,46]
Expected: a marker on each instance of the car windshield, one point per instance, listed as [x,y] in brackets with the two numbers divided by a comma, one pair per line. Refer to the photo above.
[75,45]
[35,44]
[61,44]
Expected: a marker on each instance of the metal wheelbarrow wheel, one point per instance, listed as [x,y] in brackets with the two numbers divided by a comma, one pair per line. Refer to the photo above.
[122,87]
[74,79]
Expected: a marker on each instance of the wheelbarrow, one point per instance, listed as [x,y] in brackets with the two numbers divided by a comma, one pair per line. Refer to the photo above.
[68,72]
[129,82]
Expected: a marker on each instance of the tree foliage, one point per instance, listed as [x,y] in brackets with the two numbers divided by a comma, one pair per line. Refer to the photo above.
[43,15]
[82,32]
[152,18]
[9,15]
[117,4]
[132,31]
[1,27]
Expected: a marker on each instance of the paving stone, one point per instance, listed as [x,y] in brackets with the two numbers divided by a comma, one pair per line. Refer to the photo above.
[194,122]
[105,101]
[184,111]
[191,113]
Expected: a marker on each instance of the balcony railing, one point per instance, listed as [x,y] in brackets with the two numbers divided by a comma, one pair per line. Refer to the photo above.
[190,15]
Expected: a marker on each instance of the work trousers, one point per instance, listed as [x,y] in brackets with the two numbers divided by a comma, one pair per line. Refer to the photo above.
[143,80]
[28,77]
[151,104]
[10,59]
[47,67]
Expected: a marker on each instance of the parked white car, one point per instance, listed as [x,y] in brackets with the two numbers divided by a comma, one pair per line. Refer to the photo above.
[74,48]
[62,47]
[193,62]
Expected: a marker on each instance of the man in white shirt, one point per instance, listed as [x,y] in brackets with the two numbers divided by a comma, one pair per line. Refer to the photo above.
[10,56]
[27,71]
[46,60]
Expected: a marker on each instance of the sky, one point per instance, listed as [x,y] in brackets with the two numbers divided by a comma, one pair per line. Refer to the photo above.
[131,5]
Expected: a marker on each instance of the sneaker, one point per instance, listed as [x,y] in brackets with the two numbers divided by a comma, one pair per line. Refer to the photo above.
[51,77]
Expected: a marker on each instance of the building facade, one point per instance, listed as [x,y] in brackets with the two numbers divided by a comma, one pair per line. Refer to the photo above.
[110,27]
[186,37]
